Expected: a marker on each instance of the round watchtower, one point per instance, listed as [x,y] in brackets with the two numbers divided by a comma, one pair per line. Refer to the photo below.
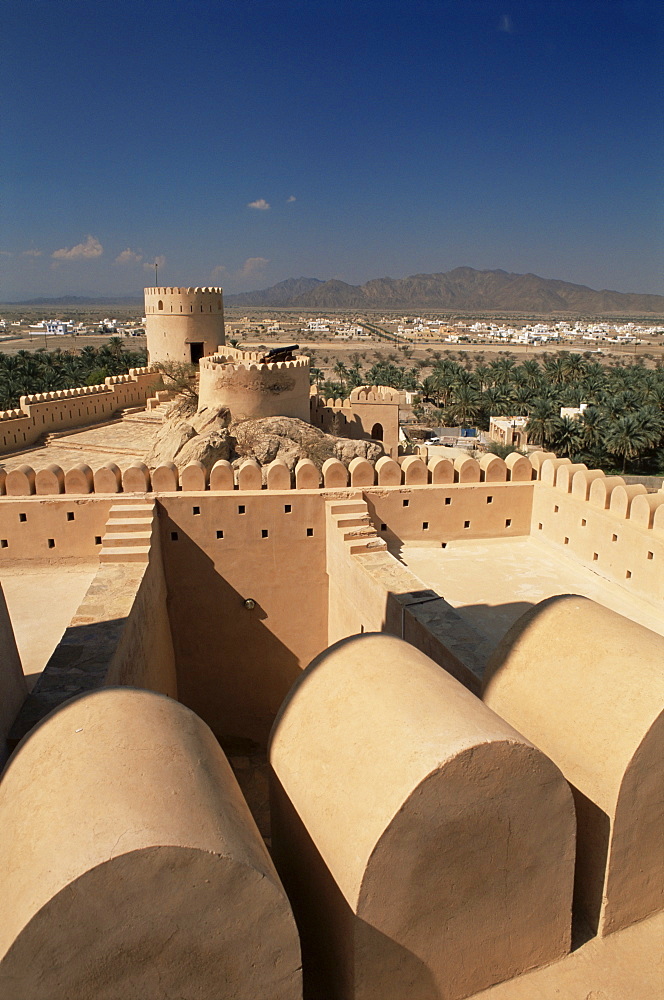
[183,324]
[250,387]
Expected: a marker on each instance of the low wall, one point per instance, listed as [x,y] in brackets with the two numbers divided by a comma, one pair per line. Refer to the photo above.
[130,865]
[120,635]
[49,412]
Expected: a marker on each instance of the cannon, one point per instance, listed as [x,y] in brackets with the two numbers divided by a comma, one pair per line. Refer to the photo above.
[279,354]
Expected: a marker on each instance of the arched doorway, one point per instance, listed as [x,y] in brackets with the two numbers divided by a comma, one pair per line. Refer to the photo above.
[377,432]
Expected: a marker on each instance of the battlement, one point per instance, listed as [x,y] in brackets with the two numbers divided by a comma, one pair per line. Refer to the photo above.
[62,409]
[166,301]
[250,360]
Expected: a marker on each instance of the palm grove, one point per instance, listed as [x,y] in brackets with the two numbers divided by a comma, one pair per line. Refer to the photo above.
[28,372]
[622,427]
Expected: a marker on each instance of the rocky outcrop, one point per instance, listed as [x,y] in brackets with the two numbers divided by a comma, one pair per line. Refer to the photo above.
[210,435]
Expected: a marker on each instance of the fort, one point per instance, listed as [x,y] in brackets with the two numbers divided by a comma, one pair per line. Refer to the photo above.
[382,730]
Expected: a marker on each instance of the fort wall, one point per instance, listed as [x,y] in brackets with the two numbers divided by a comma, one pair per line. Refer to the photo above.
[235,664]
[13,687]
[594,706]
[238,380]
[183,324]
[612,529]
[399,886]
[369,412]
[129,856]
[50,412]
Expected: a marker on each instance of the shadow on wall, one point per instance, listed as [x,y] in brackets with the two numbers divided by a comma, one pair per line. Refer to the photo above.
[231,669]
[78,665]
[329,970]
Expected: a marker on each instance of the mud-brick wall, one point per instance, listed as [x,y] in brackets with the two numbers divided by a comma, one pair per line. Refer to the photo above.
[618,548]
[235,664]
[438,514]
[48,529]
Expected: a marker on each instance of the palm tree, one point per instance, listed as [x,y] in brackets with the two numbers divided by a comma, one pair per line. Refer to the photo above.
[543,422]
[464,406]
[626,438]
[568,437]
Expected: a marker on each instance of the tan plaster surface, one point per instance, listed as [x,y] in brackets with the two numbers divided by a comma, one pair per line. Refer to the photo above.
[122,442]
[42,601]
[492,582]
[623,966]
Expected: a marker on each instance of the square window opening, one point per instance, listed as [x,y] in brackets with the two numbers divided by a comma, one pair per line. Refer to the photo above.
[70,515]
[287,508]
[264,533]
[565,540]
[489,499]
[508,522]
[539,526]
[425,525]
[97,539]
[466,524]
[595,556]
[3,543]
[556,508]
[23,517]
[241,509]
[448,501]
[220,533]
[174,536]
[628,574]
[614,538]
[195,510]
[583,522]
[310,532]
[443,545]
[383,527]
[651,555]
[51,543]
[406,502]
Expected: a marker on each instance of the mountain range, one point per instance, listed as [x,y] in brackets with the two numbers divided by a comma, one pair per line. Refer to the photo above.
[462,290]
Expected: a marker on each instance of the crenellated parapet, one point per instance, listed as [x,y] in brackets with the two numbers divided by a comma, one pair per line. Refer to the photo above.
[251,388]
[62,409]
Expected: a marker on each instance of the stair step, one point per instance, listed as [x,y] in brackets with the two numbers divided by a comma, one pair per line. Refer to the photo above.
[352,522]
[350,507]
[370,545]
[138,554]
[133,510]
[359,533]
[122,538]
[129,523]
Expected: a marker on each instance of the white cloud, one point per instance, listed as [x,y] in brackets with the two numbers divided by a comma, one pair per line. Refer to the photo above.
[31,253]
[128,257]
[290,199]
[505,24]
[218,272]
[159,261]
[252,266]
[6,253]
[261,204]
[82,251]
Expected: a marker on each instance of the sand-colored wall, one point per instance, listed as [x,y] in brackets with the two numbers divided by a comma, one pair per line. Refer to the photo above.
[130,864]
[371,591]
[29,524]
[612,542]
[586,685]
[353,418]
[13,688]
[178,317]
[253,390]
[50,412]
[415,831]
[234,664]
[461,510]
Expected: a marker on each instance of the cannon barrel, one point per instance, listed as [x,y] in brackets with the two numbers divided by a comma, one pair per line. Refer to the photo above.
[280,353]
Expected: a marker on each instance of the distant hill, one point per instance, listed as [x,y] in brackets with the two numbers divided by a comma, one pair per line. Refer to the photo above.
[462,290]
[81,300]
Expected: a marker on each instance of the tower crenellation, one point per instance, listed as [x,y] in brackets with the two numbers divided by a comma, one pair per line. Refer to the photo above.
[183,325]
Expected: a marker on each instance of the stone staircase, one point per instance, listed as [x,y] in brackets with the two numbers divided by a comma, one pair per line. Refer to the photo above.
[352,519]
[128,533]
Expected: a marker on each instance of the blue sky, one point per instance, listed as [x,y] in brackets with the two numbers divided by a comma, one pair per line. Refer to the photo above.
[242,142]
